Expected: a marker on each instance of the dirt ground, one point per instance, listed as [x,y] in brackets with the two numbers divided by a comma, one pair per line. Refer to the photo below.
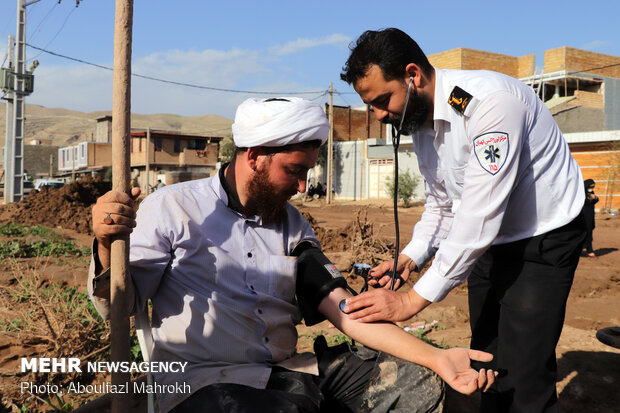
[589,371]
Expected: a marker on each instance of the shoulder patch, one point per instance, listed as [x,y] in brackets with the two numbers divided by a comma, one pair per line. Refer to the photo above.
[491,150]
[459,99]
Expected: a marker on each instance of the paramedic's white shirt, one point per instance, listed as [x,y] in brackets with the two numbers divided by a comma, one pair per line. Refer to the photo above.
[499,172]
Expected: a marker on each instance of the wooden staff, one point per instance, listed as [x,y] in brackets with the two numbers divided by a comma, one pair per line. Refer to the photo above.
[119,255]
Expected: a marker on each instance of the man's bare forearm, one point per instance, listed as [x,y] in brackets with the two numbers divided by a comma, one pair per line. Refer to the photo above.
[383,336]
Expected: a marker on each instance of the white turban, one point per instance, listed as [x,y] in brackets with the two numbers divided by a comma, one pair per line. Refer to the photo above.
[278,122]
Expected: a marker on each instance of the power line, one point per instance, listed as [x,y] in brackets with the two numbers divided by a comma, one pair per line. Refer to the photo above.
[174,82]
[34,32]
[57,33]
[592,68]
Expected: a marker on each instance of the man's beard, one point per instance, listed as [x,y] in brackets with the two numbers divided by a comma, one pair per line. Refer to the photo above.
[264,199]
[415,115]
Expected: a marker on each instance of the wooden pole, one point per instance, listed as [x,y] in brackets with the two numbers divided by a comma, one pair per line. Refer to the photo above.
[148,161]
[330,145]
[119,255]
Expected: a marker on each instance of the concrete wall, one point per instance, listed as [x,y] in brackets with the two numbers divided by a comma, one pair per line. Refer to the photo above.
[37,160]
[579,119]
[350,172]
[612,104]
[103,130]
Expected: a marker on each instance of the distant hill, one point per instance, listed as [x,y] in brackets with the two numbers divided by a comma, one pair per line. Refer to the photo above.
[66,126]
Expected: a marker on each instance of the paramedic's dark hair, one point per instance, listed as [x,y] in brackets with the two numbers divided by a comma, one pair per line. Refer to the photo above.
[390,49]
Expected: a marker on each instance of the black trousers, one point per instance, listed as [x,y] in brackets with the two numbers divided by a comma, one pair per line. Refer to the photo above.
[352,379]
[517,303]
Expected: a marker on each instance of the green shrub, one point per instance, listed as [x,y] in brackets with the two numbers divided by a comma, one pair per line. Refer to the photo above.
[407,183]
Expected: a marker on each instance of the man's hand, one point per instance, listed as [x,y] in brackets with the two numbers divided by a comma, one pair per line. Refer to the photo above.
[454,366]
[381,274]
[121,209]
[386,305]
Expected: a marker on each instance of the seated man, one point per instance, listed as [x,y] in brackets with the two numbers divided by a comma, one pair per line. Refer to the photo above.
[215,258]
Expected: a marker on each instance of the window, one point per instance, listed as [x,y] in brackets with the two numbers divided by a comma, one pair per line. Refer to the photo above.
[157,144]
[177,146]
[199,144]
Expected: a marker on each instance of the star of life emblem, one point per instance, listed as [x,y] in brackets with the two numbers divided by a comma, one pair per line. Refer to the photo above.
[491,150]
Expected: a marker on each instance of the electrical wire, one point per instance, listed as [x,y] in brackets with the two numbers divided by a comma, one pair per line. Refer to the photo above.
[35,31]
[56,35]
[172,82]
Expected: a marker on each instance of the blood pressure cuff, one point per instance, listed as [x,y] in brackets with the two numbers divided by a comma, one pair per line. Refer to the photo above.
[316,278]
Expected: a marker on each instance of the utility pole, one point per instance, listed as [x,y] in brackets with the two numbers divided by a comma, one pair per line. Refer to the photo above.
[330,144]
[119,254]
[9,146]
[19,85]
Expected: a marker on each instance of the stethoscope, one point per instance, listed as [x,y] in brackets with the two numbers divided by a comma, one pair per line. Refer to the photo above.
[363,269]
[395,144]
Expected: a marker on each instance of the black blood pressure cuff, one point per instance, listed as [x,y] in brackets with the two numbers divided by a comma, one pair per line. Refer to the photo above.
[316,278]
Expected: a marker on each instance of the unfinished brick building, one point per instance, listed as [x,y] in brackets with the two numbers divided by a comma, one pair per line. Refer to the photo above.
[580,88]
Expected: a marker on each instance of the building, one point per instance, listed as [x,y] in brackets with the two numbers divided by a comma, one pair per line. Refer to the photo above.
[580,88]
[155,155]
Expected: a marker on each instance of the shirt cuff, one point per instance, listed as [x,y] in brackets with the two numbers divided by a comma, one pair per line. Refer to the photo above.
[420,252]
[433,287]
[102,305]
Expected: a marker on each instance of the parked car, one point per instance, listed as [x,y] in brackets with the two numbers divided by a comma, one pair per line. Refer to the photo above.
[28,187]
[50,183]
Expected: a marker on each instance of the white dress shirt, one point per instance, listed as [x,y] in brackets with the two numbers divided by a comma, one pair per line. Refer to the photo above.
[222,287]
[497,172]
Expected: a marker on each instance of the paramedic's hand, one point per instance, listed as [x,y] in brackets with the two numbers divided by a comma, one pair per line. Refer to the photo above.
[385,305]
[454,366]
[121,209]
[381,274]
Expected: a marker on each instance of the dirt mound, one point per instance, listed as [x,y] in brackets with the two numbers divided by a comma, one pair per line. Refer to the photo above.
[357,237]
[68,207]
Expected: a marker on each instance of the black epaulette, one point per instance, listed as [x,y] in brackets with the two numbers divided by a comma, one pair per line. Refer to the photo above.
[459,99]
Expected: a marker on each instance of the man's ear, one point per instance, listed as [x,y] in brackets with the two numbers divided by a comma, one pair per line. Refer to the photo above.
[414,71]
[251,157]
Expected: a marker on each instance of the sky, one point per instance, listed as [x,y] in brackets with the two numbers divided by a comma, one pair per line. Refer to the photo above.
[272,47]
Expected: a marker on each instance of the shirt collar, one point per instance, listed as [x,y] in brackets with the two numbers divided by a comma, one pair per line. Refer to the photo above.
[226,194]
[229,197]
[441,109]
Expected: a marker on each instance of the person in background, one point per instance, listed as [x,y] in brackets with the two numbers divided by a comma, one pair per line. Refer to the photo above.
[588,210]
[160,184]
[319,190]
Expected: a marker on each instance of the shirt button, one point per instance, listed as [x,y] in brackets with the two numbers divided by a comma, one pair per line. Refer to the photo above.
[252,287]
[250,254]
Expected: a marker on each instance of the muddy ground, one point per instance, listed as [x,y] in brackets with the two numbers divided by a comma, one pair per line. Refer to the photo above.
[589,371]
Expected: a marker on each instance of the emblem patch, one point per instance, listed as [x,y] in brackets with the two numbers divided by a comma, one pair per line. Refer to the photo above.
[459,99]
[491,149]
